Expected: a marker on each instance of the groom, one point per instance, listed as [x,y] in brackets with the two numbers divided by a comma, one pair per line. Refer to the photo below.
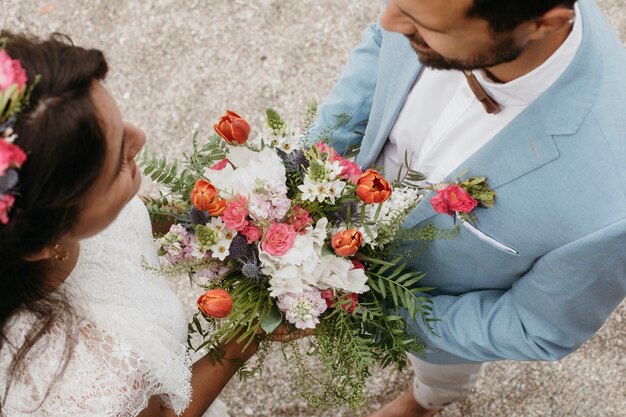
[530,94]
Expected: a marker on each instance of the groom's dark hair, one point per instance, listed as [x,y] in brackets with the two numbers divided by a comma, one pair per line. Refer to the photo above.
[505,15]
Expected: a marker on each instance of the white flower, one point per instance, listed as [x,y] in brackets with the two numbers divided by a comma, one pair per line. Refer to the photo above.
[221,249]
[309,189]
[288,143]
[315,190]
[333,169]
[339,274]
[295,270]
[251,167]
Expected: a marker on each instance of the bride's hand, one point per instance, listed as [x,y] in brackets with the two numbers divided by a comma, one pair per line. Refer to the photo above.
[235,351]
[284,334]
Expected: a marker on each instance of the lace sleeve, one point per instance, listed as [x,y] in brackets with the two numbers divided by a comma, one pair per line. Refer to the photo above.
[103,378]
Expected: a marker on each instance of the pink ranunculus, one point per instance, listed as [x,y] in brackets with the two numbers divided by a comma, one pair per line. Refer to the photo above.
[6,202]
[11,72]
[251,232]
[278,239]
[329,296]
[10,156]
[453,199]
[351,171]
[300,219]
[234,216]
[357,264]
[220,165]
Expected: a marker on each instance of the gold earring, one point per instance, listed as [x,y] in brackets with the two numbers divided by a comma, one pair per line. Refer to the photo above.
[60,253]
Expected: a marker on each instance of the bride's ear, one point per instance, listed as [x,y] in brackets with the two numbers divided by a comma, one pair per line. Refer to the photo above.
[43,254]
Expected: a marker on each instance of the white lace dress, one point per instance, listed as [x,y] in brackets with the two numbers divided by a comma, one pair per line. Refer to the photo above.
[131,337]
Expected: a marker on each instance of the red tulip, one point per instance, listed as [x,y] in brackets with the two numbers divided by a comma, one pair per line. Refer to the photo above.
[204,196]
[215,303]
[233,128]
[347,242]
[371,187]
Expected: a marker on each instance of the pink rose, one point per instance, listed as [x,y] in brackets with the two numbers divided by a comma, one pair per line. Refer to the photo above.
[278,239]
[11,72]
[234,216]
[6,202]
[10,156]
[453,199]
[220,165]
[300,219]
[251,233]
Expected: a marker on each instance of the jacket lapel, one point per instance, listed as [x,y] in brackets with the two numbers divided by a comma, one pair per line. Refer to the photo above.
[400,68]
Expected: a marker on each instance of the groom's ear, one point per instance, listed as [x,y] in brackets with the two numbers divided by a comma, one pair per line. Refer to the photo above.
[554,20]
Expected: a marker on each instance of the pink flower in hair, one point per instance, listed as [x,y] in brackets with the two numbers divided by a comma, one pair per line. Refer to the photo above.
[11,72]
[11,156]
[6,202]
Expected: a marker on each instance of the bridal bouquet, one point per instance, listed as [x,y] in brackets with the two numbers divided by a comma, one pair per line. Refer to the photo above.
[281,229]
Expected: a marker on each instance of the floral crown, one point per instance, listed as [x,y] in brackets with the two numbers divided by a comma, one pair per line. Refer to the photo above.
[14,94]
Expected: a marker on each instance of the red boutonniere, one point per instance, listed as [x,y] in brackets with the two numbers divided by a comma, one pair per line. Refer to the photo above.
[462,197]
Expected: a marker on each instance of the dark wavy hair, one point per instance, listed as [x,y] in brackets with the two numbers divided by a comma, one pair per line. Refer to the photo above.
[505,15]
[61,133]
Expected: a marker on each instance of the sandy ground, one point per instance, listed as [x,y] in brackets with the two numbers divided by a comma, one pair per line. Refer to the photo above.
[177,65]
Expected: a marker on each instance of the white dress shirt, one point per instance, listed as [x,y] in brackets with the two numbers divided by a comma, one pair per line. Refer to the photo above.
[442,123]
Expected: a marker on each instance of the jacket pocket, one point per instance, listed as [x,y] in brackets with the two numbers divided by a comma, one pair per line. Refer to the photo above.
[486,238]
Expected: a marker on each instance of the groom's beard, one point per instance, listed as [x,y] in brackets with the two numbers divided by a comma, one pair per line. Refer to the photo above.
[504,50]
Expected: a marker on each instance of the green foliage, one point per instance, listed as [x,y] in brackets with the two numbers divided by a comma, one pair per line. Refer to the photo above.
[311,114]
[179,182]
[408,177]
[252,305]
[479,189]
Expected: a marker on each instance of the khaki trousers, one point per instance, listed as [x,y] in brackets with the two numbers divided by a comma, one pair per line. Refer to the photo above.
[436,386]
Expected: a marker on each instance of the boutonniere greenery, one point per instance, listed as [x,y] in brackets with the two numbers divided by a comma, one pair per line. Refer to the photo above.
[459,199]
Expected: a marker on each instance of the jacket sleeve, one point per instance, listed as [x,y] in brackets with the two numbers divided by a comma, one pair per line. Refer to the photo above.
[559,304]
[347,107]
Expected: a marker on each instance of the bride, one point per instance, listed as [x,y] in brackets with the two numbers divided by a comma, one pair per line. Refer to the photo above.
[84,329]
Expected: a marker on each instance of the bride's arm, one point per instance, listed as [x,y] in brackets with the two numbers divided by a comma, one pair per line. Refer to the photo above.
[207,381]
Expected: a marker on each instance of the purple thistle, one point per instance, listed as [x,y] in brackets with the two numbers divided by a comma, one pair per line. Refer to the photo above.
[239,248]
[198,216]
[342,212]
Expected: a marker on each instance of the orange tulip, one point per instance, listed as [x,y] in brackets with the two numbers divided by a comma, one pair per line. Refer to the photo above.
[347,242]
[371,187]
[204,196]
[215,303]
[233,128]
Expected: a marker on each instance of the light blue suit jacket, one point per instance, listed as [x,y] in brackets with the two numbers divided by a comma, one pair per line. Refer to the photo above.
[559,171]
